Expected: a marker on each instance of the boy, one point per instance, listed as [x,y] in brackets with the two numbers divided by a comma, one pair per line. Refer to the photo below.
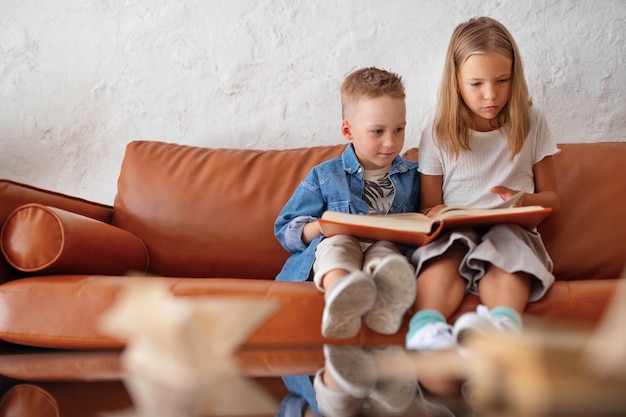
[373,281]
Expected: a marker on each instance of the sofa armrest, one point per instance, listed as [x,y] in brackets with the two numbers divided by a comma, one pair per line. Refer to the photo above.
[14,195]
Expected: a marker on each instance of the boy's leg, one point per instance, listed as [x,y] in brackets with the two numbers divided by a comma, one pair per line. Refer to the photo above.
[334,401]
[346,302]
[351,369]
[356,370]
[397,384]
[395,282]
[336,257]
[349,292]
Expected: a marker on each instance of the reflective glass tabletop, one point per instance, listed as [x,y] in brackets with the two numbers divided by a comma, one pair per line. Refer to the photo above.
[528,376]
[335,380]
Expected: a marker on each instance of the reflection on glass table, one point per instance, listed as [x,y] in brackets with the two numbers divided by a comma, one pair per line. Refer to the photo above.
[193,365]
[543,374]
[39,382]
[377,381]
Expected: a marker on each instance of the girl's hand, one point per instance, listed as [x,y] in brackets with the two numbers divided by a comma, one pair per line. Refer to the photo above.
[505,193]
[432,212]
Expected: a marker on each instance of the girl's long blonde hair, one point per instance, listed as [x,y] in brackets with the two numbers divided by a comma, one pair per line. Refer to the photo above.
[453,123]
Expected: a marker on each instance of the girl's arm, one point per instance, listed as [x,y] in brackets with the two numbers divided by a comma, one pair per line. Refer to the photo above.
[431,198]
[545,194]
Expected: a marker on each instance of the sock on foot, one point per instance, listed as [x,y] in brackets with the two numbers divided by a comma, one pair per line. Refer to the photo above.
[509,313]
[422,318]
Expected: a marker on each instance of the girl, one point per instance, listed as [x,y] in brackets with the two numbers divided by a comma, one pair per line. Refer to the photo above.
[486,143]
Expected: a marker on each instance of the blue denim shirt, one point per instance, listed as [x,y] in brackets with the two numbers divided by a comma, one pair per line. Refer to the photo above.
[336,184]
[301,396]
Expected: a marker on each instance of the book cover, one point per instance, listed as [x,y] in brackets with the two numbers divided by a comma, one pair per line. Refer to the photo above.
[416,229]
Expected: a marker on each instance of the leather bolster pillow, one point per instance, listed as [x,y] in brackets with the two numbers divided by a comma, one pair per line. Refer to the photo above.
[38,238]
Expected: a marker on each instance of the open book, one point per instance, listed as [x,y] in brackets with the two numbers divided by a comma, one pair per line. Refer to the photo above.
[417,229]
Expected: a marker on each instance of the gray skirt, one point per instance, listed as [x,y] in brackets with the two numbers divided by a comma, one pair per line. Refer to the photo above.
[509,247]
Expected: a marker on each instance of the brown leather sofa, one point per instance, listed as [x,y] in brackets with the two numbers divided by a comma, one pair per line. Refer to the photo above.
[201,220]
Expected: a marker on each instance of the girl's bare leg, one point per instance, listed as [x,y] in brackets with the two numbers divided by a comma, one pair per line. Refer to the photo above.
[498,288]
[439,285]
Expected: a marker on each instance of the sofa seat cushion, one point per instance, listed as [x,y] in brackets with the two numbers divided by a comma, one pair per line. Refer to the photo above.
[43,239]
[74,304]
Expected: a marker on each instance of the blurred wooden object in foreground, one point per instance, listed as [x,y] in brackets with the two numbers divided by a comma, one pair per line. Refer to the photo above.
[551,371]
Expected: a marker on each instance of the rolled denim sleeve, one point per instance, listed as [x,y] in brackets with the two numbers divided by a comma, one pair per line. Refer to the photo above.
[293,234]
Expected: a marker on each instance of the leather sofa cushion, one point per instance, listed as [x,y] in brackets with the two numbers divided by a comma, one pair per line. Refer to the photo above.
[14,194]
[210,212]
[28,400]
[586,238]
[38,238]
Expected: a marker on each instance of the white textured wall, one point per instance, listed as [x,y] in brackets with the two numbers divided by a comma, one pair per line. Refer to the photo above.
[79,79]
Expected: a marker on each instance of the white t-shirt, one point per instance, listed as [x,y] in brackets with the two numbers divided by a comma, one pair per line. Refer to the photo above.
[467,180]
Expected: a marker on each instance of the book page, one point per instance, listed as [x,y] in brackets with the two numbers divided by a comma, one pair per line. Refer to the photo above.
[508,203]
[411,222]
[412,229]
[455,211]
[416,229]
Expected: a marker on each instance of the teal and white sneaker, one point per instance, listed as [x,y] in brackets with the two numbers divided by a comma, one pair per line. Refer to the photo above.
[346,302]
[499,319]
[429,332]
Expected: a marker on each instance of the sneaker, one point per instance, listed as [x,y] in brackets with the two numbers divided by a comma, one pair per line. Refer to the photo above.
[394,395]
[352,368]
[397,385]
[432,337]
[357,372]
[395,281]
[346,302]
[332,402]
[482,322]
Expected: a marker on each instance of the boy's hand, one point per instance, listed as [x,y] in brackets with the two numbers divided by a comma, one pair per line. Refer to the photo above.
[311,231]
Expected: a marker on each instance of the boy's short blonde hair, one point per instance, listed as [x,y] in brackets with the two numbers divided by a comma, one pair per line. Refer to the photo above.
[369,83]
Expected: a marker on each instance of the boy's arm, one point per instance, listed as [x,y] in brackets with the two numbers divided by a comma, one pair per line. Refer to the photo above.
[296,225]
[292,236]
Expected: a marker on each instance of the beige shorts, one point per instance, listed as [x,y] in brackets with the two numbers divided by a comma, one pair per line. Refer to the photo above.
[348,253]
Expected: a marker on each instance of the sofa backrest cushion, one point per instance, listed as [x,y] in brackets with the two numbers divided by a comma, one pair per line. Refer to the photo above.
[210,212]
[587,237]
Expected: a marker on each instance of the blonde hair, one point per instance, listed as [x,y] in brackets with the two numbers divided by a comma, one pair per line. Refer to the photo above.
[453,121]
[369,83]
